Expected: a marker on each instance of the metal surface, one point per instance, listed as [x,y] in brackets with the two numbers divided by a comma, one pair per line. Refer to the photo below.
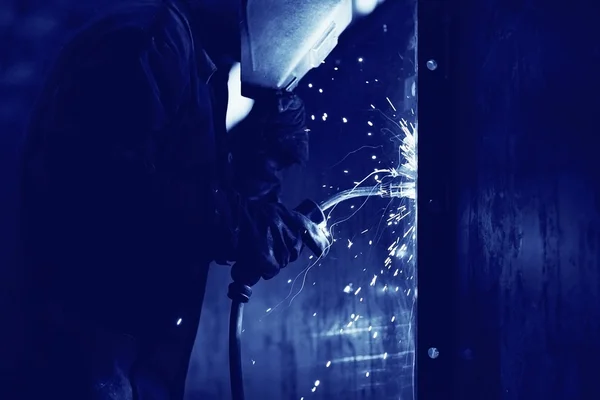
[509,295]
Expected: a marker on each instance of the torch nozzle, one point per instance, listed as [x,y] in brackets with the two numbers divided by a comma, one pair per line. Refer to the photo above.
[388,190]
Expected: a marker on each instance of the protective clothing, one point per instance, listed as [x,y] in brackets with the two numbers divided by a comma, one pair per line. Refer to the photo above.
[129,191]
[272,138]
[282,40]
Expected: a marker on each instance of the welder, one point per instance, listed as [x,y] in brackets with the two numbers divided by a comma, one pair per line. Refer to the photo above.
[131,186]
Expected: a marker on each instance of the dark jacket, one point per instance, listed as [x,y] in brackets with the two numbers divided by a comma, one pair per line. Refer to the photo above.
[121,215]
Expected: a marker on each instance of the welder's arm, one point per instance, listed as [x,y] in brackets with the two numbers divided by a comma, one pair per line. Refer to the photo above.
[128,101]
[272,138]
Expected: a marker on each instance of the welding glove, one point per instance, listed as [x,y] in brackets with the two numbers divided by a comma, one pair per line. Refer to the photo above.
[269,235]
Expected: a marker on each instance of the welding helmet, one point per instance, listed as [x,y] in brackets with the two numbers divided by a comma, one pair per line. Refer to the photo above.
[281,40]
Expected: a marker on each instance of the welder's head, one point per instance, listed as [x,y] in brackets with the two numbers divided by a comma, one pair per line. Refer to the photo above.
[276,41]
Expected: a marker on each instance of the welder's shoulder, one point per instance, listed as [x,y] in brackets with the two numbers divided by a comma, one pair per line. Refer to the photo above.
[142,27]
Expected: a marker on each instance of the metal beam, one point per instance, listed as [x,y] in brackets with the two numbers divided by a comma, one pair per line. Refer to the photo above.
[436,225]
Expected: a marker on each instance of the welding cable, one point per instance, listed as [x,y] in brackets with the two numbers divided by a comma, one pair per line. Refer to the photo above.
[239,294]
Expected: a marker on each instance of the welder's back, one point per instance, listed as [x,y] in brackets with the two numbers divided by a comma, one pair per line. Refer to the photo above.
[118,170]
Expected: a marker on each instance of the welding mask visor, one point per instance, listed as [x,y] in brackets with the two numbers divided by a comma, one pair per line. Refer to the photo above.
[281,40]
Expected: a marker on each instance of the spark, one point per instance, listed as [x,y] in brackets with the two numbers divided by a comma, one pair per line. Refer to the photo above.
[391,104]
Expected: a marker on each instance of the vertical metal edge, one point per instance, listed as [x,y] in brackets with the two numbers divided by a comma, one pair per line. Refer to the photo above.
[436,202]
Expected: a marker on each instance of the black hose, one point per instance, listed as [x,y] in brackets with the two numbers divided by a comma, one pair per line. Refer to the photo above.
[239,294]
[235,351]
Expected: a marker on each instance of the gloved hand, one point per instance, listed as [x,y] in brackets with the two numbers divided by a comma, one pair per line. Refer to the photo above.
[272,236]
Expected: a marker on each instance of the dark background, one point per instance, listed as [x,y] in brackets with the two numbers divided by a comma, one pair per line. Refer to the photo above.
[521,114]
